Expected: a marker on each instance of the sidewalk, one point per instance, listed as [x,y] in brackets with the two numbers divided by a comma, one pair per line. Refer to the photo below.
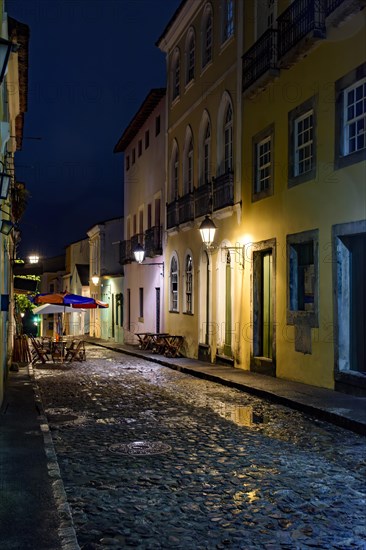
[337,408]
[33,508]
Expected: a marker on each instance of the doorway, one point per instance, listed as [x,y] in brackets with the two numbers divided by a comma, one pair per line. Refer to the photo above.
[263,309]
[350,307]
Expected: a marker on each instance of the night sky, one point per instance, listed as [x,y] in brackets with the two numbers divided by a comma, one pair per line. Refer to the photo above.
[91,64]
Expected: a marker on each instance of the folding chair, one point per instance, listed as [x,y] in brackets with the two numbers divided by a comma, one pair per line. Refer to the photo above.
[38,352]
[76,352]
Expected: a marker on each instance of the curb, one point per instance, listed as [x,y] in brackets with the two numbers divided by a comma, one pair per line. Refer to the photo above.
[66,530]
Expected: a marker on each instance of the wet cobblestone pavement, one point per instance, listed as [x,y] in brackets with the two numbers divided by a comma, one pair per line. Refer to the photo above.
[155,459]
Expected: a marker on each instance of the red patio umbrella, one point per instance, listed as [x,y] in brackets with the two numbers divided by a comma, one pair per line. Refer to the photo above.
[68,299]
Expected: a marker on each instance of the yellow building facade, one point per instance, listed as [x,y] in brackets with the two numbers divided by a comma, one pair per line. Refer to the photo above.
[304,199]
[203,45]
[266,136]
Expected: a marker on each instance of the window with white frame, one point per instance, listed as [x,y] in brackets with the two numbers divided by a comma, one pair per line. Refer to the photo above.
[190,57]
[228,139]
[228,21]
[176,76]
[263,164]
[207,38]
[350,117]
[354,105]
[302,142]
[189,284]
[303,146]
[174,284]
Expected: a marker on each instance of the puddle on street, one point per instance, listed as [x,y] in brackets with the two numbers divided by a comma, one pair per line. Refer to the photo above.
[242,415]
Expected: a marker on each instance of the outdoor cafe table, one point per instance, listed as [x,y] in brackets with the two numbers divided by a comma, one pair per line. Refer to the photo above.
[161,342]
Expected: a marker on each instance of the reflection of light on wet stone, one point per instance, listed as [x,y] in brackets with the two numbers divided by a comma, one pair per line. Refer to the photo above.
[140,448]
[241,415]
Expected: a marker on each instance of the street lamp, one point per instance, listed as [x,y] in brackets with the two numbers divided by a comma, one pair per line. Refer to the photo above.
[139,253]
[95,279]
[5,179]
[6,226]
[208,230]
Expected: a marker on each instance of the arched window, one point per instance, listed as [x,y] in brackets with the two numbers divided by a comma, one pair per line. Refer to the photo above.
[228,139]
[228,19]
[176,75]
[174,178]
[174,284]
[207,36]
[188,162]
[190,56]
[189,284]
[207,154]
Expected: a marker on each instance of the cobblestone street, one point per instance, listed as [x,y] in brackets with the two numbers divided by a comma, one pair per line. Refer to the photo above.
[152,458]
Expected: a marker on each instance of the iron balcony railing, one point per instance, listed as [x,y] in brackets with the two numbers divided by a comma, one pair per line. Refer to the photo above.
[186,208]
[153,242]
[135,240]
[297,21]
[202,200]
[223,191]
[125,255]
[172,214]
[260,58]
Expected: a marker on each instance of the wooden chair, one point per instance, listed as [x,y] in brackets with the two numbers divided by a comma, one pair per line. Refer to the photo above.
[76,352]
[38,352]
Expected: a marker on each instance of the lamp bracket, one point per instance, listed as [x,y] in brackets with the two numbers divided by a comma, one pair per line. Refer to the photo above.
[155,263]
[238,250]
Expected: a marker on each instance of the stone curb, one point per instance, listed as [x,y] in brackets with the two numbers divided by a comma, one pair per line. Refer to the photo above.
[66,530]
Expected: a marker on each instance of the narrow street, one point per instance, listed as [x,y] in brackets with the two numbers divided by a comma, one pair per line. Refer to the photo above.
[152,458]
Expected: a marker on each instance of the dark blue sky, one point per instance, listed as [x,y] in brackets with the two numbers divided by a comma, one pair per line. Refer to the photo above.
[91,64]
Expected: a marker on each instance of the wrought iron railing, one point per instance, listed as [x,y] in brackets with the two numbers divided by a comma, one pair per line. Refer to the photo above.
[331,5]
[202,200]
[135,240]
[260,58]
[223,191]
[153,242]
[172,214]
[186,208]
[297,21]
[125,255]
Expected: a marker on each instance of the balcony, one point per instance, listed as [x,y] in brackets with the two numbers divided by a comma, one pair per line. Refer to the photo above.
[172,214]
[153,242]
[299,27]
[125,254]
[260,62]
[223,191]
[186,208]
[202,200]
[135,240]
[336,11]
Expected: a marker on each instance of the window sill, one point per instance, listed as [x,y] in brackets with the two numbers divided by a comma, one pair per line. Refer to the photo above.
[188,313]
[226,43]
[262,195]
[293,181]
[173,311]
[348,160]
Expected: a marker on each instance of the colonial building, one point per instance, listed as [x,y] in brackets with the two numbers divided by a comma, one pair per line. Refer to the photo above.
[105,278]
[76,281]
[304,193]
[203,47]
[14,41]
[143,144]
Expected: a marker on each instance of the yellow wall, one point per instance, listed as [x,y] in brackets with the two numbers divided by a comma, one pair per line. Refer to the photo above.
[334,196]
